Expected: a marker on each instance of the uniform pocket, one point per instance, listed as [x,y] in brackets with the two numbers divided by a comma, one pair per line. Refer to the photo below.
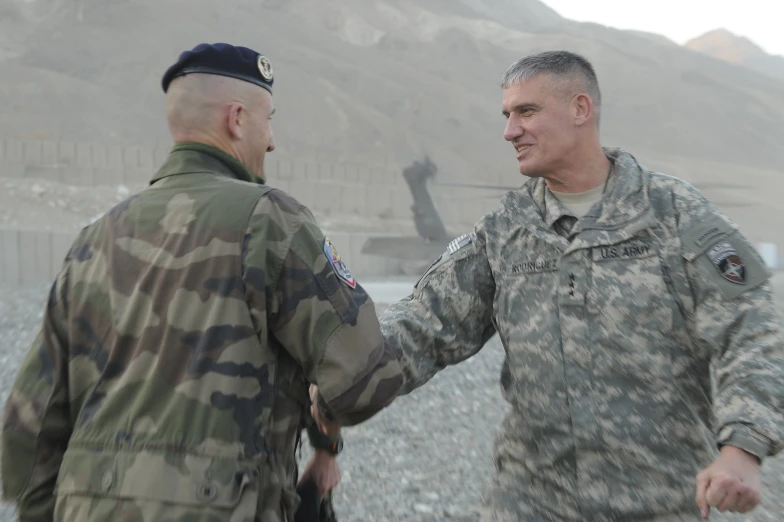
[145,485]
[633,315]
[630,297]
[525,300]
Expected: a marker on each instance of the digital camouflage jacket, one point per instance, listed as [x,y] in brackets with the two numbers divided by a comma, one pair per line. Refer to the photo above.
[610,329]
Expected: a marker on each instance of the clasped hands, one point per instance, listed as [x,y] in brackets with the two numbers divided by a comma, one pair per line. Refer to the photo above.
[325,427]
[322,468]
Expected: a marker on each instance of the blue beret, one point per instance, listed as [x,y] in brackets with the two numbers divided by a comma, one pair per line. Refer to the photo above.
[223,59]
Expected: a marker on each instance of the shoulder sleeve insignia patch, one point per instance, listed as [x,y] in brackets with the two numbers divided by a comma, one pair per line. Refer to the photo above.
[340,268]
[727,261]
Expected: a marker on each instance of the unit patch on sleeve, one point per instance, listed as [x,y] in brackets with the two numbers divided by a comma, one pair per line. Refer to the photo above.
[727,261]
[340,268]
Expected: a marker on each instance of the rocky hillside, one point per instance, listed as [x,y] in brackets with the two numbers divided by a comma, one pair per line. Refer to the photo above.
[389,81]
[731,48]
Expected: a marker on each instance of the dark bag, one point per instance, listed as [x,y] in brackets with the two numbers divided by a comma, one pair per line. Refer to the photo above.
[311,508]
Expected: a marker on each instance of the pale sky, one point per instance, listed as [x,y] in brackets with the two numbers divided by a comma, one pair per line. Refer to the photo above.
[680,20]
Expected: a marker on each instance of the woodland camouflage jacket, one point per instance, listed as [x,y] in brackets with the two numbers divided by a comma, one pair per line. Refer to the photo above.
[169,378]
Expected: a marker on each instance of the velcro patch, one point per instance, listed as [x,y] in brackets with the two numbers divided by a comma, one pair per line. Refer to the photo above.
[698,238]
[340,268]
[727,261]
[636,250]
[454,247]
[709,234]
[536,265]
[457,244]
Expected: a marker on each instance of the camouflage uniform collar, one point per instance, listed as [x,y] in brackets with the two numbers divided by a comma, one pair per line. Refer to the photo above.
[191,157]
[553,208]
[625,200]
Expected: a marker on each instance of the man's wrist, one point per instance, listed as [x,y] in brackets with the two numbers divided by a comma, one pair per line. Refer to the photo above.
[729,449]
[324,454]
[740,437]
[331,444]
[324,411]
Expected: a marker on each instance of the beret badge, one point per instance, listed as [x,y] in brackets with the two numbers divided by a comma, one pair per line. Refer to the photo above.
[265,67]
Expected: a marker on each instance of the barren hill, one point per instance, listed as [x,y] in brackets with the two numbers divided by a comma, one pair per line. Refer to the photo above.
[374,78]
[388,81]
[724,45]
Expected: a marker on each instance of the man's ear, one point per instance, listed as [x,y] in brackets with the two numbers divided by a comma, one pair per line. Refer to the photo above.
[582,108]
[235,120]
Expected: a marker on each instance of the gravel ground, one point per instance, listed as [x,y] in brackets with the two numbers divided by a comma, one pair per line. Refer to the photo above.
[424,459]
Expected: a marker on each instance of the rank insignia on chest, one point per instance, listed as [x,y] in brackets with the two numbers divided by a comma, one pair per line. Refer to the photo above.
[726,260]
[340,268]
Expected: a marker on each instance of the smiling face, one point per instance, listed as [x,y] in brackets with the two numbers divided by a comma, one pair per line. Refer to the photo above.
[541,124]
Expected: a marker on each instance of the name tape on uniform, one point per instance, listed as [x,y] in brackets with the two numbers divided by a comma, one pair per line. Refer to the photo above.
[539,265]
[633,251]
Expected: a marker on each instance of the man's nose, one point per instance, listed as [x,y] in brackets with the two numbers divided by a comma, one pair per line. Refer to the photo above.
[513,130]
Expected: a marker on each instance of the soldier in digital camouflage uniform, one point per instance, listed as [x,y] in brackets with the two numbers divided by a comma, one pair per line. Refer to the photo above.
[610,324]
[170,376]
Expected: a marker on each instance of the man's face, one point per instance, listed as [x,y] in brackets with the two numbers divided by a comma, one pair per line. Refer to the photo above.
[258,139]
[539,125]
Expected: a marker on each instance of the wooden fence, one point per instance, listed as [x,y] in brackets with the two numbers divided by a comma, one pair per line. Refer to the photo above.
[89,164]
[32,257]
[346,188]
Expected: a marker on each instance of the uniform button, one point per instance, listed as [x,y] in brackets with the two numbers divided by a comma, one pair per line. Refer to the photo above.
[107,480]
[207,492]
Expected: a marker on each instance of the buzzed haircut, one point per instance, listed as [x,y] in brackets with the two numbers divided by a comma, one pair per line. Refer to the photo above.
[563,65]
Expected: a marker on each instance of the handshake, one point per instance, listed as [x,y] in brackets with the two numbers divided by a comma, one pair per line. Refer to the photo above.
[321,475]
[324,426]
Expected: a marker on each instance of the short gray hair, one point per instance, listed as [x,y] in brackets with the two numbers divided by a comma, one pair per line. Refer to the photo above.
[560,64]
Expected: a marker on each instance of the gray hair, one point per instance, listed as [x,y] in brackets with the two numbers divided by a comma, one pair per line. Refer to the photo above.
[561,65]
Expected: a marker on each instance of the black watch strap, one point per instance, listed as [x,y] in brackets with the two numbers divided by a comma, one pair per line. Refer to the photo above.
[320,441]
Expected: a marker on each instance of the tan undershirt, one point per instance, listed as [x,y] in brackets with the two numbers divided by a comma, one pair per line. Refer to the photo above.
[579,203]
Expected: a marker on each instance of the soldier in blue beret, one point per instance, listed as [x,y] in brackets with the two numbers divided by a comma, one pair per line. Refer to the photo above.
[169,377]
[198,87]
[213,97]
[223,60]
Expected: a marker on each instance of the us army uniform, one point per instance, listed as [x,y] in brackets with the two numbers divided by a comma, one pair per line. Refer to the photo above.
[609,329]
[163,383]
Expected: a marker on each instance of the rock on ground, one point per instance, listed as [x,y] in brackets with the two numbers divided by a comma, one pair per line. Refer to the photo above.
[424,459]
